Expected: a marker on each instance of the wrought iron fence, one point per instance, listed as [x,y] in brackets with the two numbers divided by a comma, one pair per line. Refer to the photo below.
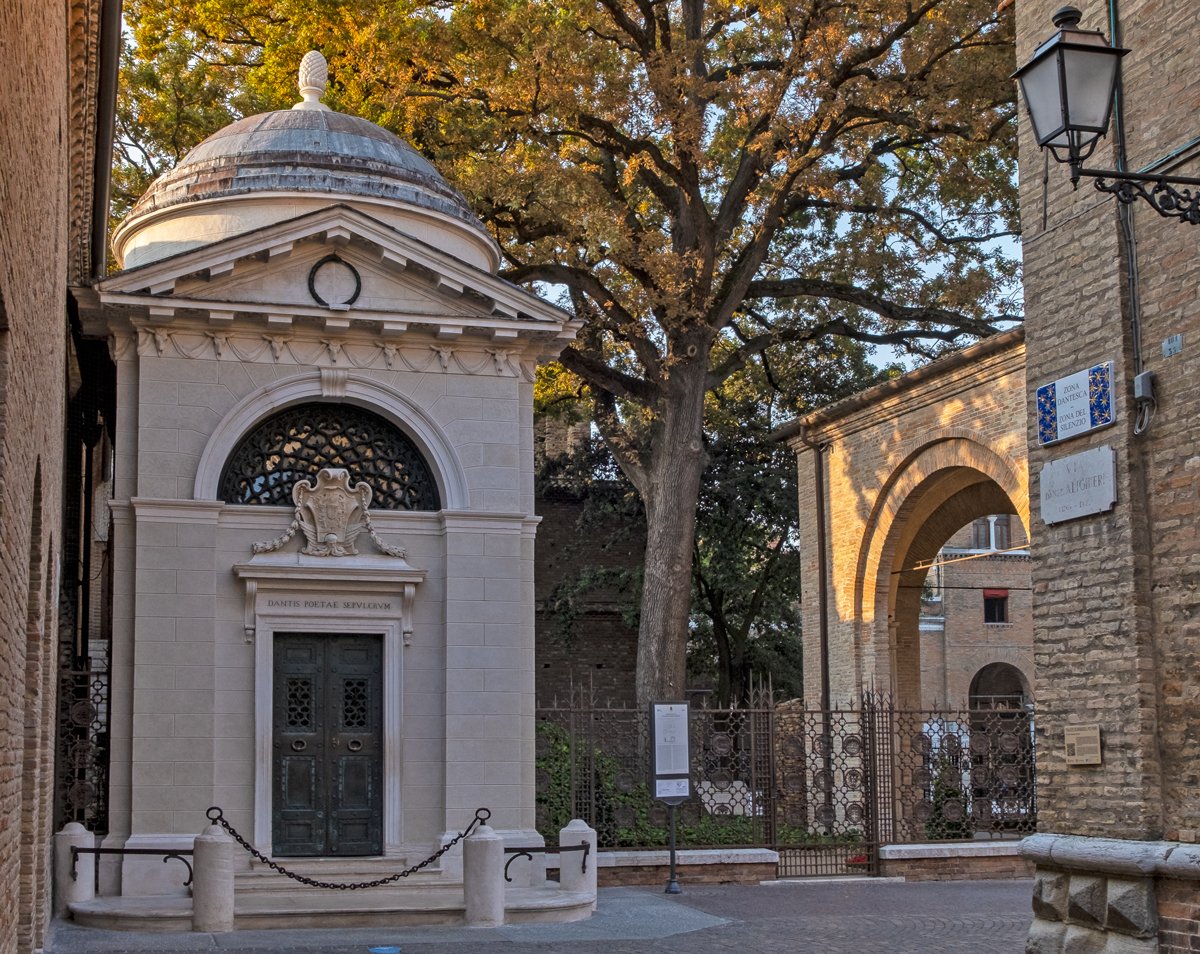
[825,789]
[81,767]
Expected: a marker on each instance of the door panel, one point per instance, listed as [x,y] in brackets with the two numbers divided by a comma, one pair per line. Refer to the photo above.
[328,719]
[356,752]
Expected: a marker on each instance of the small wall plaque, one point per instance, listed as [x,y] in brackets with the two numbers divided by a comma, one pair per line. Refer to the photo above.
[1083,744]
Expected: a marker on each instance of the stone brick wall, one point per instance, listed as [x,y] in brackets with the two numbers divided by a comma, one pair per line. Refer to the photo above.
[657,873]
[1116,628]
[33,278]
[1163,71]
[1115,594]
[83,75]
[907,465]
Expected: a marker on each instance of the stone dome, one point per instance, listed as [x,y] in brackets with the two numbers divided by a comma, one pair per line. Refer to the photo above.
[276,165]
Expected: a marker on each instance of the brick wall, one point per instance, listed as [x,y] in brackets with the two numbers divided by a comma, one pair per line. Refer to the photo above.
[1178,916]
[953,655]
[1162,75]
[83,75]
[33,278]
[1117,634]
[956,869]
[601,649]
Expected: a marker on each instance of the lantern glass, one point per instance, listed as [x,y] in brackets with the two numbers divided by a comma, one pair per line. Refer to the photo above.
[1090,75]
[1068,90]
[1041,88]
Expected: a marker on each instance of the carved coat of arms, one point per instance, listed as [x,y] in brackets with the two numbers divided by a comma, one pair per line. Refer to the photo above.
[332,514]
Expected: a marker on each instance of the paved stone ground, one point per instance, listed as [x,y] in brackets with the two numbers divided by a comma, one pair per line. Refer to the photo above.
[859,917]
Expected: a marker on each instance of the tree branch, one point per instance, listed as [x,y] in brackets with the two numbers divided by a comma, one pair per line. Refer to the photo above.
[893,311]
[605,378]
[867,208]
[616,439]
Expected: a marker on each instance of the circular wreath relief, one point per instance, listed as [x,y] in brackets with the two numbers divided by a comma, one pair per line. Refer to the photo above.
[296,443]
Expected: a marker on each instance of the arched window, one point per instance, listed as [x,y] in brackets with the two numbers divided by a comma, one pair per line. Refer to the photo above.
[998,686]
[296,443]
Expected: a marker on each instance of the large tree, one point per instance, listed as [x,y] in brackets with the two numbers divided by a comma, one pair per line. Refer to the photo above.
[704,182]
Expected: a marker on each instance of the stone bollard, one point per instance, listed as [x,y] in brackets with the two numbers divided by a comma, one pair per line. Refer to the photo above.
[483,877]
[82,887]
[212,881]
[571,874]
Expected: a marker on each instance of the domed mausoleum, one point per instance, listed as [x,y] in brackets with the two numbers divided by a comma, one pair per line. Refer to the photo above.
[323,524]
[274,166]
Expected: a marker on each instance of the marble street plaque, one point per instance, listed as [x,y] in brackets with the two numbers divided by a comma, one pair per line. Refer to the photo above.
[1079,485]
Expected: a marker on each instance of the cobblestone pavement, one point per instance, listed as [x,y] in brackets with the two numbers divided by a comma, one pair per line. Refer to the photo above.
[860,917]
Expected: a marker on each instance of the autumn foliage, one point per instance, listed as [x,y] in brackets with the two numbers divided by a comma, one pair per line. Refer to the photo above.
[707,183]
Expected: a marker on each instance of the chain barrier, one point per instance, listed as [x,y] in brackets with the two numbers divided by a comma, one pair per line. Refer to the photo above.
[217,816]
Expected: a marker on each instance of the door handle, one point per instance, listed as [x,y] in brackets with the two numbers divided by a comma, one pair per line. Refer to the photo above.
[354,745]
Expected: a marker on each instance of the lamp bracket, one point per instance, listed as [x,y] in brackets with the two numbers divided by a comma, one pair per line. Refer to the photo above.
[1160,191]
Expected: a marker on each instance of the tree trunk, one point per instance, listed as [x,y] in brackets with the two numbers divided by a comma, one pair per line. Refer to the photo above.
[672,489]
[738,675]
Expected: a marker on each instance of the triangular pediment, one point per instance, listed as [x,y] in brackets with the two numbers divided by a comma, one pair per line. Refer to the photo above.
[334,266]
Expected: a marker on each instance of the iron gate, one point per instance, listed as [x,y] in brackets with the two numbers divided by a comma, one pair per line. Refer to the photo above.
[825,789]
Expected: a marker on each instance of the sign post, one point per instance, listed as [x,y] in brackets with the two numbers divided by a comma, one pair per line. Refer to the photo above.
[671,765]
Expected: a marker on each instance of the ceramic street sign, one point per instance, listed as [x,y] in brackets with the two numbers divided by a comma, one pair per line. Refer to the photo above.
[1076,404]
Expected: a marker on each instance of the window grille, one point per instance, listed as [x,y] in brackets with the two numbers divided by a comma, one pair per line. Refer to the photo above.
[296,443]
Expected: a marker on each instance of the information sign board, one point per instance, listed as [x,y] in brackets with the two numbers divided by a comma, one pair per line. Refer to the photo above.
[671,766]
[1083,744]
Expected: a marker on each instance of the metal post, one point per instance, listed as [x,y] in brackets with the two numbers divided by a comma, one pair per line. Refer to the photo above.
[672,884]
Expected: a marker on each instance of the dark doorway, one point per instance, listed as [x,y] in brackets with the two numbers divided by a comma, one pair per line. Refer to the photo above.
[328,771]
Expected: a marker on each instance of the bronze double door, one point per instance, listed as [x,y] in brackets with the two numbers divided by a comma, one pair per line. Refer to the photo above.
[328,745]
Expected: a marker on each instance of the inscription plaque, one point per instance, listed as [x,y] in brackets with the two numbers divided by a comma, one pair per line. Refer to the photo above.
[1079,486]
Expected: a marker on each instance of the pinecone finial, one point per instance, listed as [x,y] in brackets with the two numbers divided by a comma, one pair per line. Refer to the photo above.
[314,74]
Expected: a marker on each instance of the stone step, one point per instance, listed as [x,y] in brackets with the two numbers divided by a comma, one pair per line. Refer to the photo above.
[317,908]
[262,879]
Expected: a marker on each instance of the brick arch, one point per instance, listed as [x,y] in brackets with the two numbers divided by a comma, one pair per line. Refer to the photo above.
[983,683]
[882,475]
[944,461]
[940,485]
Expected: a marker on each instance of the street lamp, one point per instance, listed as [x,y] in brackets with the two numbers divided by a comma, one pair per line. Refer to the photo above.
[1068,88]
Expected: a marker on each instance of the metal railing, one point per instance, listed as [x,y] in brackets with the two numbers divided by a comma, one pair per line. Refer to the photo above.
[167,854]
[530,851]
